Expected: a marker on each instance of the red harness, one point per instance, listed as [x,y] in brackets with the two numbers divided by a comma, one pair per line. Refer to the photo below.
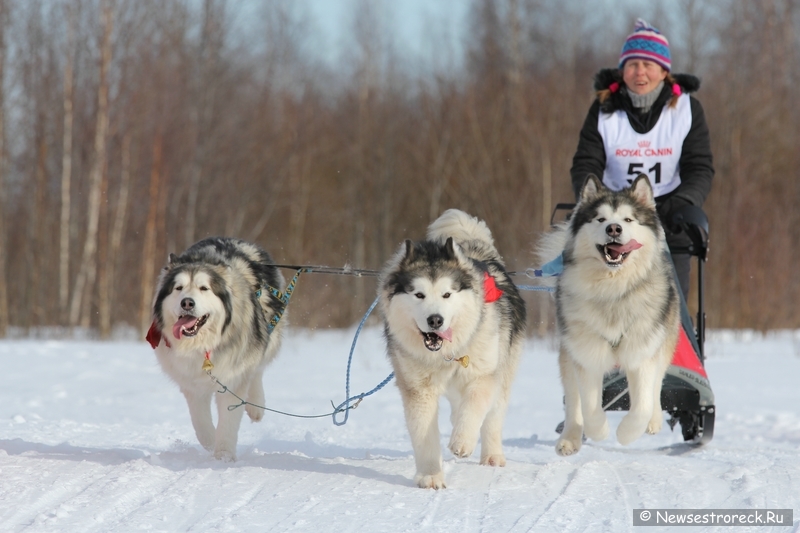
[490,291]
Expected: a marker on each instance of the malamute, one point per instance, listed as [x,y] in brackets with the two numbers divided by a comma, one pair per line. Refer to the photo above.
[212,303]
[454,326]
[617,304]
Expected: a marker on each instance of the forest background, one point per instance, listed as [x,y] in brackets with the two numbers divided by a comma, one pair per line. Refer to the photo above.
[130,129]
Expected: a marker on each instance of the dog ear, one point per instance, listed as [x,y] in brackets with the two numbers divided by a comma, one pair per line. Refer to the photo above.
[454,252]
[172,260]
[643,191]
[409,255]
[591,188]
[450,249]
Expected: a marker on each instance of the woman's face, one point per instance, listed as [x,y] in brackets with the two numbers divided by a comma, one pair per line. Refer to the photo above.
[642,76]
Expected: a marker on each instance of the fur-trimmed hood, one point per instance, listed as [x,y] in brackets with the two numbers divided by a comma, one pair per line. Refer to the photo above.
[608,76]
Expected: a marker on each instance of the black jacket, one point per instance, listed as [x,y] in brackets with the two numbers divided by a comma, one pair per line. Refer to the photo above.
[696,165]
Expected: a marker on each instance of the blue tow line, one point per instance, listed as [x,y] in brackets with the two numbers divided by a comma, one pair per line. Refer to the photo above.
[345,405]
[553,268]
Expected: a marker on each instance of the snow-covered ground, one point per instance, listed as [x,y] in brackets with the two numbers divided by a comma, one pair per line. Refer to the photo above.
[93,438]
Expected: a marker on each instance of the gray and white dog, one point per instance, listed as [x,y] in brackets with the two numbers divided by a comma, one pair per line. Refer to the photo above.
[212,303]
[448,300]
[617,304]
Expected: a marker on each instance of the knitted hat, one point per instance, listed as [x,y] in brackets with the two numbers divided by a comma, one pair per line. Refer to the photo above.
[646,42]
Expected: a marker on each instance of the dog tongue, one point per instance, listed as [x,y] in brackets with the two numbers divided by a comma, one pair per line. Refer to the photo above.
[446,334]
[624,248]
[187,321]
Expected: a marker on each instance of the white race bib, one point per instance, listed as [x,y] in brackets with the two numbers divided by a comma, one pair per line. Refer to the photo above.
[656,153]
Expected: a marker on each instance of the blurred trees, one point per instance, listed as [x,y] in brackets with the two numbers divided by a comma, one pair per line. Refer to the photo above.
[130,129]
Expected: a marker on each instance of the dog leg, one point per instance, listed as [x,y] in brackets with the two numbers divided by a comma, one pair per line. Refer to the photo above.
[255,394]
[590,386]
[492,432]
[200,411]
[641,382]
[421,408]
[470,413]
[662,363]
[492,428]
[228,422]
[657,419]
[572,436]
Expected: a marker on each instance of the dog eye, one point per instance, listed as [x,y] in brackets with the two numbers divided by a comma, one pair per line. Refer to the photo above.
[628,220]
[179,288]
[420,295]
[601,220]
[203,288]
[446,295]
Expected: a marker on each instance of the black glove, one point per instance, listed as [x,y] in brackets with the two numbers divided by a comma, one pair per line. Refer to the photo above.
[671,217]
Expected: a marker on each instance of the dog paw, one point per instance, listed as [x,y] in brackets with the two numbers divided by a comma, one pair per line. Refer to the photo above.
[226,456]
[460,448]
[256,414]
[497,459]
[428,481]
[566,447]
[631,428]
[597,428]
[655,424]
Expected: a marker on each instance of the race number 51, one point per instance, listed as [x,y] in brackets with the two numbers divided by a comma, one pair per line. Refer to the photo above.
[634,169]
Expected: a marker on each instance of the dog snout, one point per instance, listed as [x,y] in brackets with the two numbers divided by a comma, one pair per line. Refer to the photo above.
[187,304]
[435,321]
[613,230]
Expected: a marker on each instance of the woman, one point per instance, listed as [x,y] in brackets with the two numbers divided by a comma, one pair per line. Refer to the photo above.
[644,121]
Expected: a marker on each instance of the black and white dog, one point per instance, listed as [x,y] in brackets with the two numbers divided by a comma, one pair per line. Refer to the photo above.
[212,303]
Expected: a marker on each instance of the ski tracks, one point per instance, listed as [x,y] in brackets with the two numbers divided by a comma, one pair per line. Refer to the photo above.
[588,496]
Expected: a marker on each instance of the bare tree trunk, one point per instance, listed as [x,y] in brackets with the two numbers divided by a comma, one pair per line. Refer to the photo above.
[299,213]
[86,275]
[38,221]
[203,105]
[120,216]
[3,254]
[149,248]
[66,166]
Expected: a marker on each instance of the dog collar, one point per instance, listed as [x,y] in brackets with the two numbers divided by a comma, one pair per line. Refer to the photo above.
[464,360]
[208,366]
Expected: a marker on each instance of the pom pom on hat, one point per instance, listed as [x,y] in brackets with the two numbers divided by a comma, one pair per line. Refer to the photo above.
[646,42]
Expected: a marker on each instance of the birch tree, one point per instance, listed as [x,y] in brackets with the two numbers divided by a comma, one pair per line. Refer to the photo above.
[4,8]
[66,161]
[81,298]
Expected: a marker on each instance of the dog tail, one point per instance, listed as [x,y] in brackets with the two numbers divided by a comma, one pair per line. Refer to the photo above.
[461,227]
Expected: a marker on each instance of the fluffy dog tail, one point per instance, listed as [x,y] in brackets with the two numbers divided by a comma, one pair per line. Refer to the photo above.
[461,227]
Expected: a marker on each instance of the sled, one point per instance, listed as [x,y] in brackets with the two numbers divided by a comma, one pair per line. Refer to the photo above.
[686,393]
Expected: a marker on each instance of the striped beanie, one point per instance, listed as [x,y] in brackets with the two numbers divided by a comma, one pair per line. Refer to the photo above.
[646,42]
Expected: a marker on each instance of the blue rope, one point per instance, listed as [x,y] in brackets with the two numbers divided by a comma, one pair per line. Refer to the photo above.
[345,405]
[536,288]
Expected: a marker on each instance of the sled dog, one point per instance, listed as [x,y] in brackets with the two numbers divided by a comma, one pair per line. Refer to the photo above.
[617,304]
[212,303]
[454,326]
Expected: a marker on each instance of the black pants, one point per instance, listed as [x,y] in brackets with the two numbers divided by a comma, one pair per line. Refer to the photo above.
[683,267]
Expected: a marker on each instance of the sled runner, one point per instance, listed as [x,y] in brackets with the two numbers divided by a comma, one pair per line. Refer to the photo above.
[686,394]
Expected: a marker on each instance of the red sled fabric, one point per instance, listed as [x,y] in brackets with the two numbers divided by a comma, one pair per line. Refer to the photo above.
[685,356]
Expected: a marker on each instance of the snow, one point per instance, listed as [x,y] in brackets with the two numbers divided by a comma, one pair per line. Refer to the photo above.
[94,438]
